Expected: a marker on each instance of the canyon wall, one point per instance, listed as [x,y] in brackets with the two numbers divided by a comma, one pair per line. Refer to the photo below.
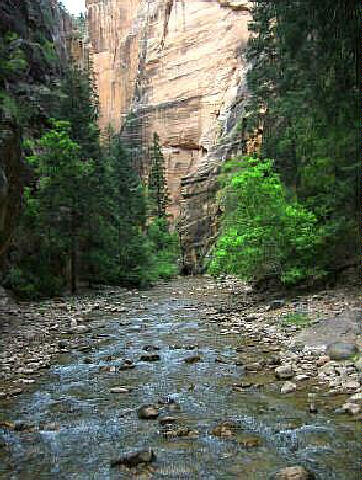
[179,67]
[30,28]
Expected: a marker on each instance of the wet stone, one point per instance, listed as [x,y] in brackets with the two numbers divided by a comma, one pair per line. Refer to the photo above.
[224,429]
[193,359]
[150,347]
[249,442]
[132,459]
[147,412]
[150,357]
[177,432]
[127,365]
[294,473]
[167,420]
[119,390]
[341,351]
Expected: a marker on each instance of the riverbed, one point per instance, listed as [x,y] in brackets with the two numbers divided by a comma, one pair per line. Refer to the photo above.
[161,348]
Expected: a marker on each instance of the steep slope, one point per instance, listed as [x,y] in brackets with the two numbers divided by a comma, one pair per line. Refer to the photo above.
[179,67]
[33,51]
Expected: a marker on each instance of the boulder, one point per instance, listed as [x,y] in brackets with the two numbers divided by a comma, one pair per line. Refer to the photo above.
[351,408]
[341,351]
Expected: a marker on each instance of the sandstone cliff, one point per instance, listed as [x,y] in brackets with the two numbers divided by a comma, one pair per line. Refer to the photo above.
[179,67]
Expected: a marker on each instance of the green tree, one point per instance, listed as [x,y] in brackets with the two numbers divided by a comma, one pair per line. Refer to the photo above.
[124,211]
[49,235]
[304,59]
[157,188]
[263,234]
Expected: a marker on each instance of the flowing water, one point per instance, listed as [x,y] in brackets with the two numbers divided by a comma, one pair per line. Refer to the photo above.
[80,426]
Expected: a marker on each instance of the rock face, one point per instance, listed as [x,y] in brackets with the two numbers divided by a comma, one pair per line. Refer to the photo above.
[179,68]
[30,27]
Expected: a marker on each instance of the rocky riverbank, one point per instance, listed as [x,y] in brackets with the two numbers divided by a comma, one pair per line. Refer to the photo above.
[310,343]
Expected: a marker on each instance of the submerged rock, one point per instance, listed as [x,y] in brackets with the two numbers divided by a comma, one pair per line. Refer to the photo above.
[147,412]
[150,357]
[177,432]
[132,459]
[127,365]
[341,351]
[224,429]
[250,442]
[193,359]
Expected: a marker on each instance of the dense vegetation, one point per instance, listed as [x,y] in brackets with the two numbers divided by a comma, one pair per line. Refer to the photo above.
[88,217]
[304,75]
[85,213]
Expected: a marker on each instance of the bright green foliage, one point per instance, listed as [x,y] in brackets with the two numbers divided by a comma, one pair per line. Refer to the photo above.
[13,61]
[263,233]
[304,58]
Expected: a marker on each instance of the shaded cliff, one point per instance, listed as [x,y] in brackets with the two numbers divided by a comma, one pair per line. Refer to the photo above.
[33,54]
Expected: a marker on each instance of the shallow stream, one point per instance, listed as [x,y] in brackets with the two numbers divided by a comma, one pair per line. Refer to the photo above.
[79,426]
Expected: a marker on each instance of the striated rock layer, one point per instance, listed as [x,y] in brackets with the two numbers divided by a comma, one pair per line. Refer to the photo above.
[179,67]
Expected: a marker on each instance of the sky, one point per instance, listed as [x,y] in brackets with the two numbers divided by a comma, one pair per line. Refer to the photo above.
[74,6]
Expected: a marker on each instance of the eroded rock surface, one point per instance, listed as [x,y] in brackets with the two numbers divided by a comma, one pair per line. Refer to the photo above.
[179,68]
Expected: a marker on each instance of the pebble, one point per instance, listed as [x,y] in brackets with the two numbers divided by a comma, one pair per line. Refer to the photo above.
[119,390]
[288,387]
[284,372]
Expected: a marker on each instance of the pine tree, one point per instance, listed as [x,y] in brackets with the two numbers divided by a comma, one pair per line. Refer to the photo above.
[157,189]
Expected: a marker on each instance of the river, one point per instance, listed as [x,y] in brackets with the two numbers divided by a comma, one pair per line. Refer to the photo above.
[71,425]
